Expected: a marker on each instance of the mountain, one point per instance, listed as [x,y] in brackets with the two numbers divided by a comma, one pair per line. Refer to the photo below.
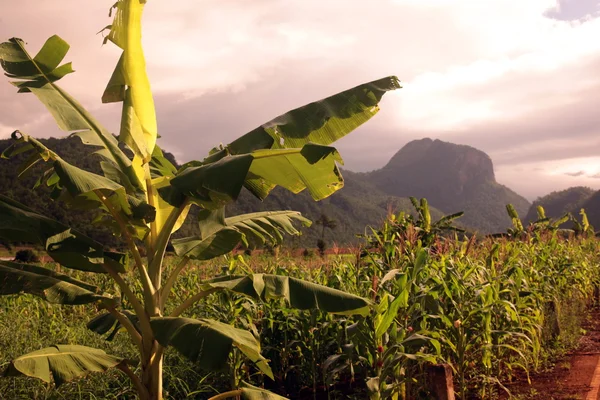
[557,204]
[453,178]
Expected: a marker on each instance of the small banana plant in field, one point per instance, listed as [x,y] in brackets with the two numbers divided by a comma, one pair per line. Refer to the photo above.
[144,198]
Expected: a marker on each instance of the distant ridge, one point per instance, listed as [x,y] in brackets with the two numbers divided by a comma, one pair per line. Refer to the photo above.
[452,177]
[571,200]
[557,203]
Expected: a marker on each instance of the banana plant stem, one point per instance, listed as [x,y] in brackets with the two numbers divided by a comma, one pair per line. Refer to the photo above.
[161,241]
[137,306]
[141,389]
[145,278]
[133,333]
[166,289]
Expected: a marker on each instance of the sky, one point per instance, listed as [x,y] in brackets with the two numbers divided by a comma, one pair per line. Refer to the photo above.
[517,79]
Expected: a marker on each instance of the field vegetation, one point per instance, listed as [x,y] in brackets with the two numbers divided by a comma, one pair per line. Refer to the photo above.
[493,309]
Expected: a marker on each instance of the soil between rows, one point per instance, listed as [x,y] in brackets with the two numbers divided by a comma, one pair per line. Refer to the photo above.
[571,377]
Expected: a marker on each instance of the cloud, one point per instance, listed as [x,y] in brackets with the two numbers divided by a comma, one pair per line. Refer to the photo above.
[578,173]
[572,10]
[527,95]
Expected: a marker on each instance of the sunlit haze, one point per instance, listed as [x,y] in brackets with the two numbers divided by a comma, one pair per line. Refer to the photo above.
[517,79]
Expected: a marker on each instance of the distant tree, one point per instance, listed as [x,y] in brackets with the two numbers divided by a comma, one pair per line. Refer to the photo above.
[27,256]
[326,223]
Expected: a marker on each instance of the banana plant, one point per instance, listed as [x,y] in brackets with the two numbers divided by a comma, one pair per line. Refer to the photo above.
[583,227]
[143,198]
[544,223]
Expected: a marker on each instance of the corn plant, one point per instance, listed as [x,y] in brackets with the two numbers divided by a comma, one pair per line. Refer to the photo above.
[143,198]
[404,233]
[394,338]
[484,306]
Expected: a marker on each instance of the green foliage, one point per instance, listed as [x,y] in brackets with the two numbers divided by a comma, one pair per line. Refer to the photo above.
[326,223]
[321,247]
[66,246]
[481,304]
[353,208]
[482,307]
[517,226]
[19,187]
[511,280]
[191,336]
[220,235]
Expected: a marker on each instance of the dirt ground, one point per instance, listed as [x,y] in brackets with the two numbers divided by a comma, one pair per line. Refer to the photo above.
[572,376]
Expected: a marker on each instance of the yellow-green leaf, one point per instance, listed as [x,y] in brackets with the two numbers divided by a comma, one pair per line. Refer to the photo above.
[138,128]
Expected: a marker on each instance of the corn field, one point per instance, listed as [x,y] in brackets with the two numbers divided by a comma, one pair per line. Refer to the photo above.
[491,308]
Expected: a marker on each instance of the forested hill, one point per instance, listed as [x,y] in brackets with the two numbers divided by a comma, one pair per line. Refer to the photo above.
[571,200]
[453,178]
[356,206]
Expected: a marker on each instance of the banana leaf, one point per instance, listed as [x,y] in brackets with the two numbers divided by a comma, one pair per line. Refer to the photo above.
[66,246]
[220,235]
[39,74]
[207,342]
[14,279]
[62,362]
[296,292]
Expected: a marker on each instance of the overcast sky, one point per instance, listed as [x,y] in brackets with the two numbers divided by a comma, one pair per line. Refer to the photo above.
[518,79]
